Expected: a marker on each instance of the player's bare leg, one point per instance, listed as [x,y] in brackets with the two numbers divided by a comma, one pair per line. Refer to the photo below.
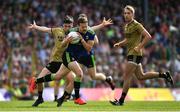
[149,75]
[69,84]
[40,88]
[100,76]
[130,69]
[68,88]
[74,66]
[56,90]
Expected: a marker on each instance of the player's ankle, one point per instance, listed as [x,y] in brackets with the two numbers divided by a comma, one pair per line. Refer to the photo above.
[162,75]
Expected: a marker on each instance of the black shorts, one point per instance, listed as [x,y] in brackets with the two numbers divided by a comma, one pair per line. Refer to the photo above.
[53,66]
[135,59]
[88,61]
[67,58]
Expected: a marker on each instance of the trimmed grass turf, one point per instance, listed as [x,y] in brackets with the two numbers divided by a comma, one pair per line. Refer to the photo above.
[92,106]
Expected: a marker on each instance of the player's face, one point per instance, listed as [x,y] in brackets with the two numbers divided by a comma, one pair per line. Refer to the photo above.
[67,26]
[128,15]
[83,27]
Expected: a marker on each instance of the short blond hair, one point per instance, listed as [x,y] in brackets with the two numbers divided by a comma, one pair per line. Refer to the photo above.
[130,8]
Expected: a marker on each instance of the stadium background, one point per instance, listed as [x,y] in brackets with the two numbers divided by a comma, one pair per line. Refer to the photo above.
[25,52]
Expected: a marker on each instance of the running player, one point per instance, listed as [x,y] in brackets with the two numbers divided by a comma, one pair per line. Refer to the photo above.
[74,53]
[84,54]
[56,57]
[45,29]
[134,31]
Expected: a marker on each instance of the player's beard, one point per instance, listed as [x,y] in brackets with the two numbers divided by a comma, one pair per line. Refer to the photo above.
[84,31]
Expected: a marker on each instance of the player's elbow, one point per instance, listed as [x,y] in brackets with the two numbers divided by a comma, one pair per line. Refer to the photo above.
[149,36]
[146,34]
[96,42]
[47,31]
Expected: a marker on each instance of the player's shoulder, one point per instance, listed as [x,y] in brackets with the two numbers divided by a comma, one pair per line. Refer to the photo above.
[57,29]
[136,23]
[90,30]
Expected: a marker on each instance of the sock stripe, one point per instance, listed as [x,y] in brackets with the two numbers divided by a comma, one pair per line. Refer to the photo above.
[77,79]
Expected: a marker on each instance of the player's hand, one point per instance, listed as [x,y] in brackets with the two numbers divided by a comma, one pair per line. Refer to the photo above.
[67,40]
[107,22]
[117,45]
[137,49]
[80,36]
[32,26]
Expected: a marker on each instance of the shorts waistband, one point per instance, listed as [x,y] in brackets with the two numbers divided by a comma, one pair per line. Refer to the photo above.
[133,58]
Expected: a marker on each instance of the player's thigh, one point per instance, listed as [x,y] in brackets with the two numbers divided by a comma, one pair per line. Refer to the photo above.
[75,67]
[91,71]
[139,71]
[70,62]
[129,69]
[70,77]
[63,71]
[44,72]
[51,67]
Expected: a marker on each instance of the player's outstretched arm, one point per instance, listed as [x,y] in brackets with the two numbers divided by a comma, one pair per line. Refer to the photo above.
[39,28]
[103,24]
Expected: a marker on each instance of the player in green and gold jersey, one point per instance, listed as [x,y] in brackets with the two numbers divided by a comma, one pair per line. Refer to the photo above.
[136,36]
[53,66]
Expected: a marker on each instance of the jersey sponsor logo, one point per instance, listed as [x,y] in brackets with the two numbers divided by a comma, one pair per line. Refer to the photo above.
[60,38]
[73,59]
[87,37]
[130,59]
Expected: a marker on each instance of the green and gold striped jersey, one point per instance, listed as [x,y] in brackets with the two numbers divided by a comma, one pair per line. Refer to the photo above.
[133,34]
[57,52]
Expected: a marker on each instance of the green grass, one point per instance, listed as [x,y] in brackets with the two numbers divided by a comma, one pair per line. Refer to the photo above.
[92,106]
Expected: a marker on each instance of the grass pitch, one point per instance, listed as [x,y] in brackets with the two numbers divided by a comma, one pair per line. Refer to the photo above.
[92,106]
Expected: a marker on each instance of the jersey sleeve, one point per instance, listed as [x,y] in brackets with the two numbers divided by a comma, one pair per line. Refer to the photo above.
[90,30]
[91,33]
[54,31]
[91,36]
[140,28]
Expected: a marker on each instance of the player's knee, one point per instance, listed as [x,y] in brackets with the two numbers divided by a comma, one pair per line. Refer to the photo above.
[140,77]
[79,73]
[70,79]
[57,77]
[126,77]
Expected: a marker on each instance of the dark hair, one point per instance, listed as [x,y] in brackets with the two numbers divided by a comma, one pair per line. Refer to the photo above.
[82,19]
[68,19]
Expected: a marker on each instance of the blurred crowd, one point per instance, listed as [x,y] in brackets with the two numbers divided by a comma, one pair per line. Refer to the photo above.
[24,52]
